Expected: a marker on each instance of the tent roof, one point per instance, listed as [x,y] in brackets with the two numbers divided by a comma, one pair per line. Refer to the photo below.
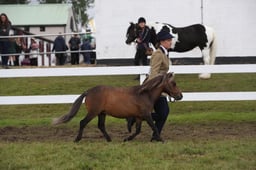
[41,14]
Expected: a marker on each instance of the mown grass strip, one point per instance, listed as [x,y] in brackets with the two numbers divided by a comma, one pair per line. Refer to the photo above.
[226,154]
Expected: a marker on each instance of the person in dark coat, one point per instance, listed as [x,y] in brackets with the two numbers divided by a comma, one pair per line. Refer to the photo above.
[5,26]
[86,54]
[74,45]
[142,42]
[60,46]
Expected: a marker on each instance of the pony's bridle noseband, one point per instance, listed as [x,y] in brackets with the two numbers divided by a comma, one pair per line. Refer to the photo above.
[171,99]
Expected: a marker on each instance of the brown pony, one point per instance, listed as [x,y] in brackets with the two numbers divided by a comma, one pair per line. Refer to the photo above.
[136,101]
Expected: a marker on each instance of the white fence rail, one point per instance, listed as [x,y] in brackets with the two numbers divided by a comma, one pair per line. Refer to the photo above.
[125,70]
[62,99]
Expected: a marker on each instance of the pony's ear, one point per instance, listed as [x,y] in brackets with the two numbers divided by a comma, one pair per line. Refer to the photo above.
[131,23]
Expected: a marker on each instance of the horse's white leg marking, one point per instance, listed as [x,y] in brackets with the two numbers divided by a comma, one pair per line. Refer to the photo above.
[206,58]
[211,43]
[209,53]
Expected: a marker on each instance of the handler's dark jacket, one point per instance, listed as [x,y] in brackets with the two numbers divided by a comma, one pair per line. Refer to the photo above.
[144,36]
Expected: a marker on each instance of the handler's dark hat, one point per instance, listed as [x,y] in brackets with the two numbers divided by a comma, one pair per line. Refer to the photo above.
[164,35]
[141,19]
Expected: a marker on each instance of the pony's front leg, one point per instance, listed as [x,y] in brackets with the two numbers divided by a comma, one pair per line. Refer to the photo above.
[138,129]
[154,128]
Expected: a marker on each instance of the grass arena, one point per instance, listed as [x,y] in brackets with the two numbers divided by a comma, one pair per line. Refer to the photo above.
[198,135]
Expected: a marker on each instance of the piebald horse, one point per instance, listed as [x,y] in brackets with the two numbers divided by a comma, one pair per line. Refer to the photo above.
[185,39]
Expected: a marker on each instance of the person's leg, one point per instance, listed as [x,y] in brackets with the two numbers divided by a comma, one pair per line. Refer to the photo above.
[72,58]
[137,58]
[16,61]
[77,58]
[57,59]
[62,59]
[161,113]
[4,51]
[144,57]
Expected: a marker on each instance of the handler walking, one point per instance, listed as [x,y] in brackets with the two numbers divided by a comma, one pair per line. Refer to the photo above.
[159,64]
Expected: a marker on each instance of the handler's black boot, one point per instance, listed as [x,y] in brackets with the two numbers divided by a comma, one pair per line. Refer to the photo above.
[155,138]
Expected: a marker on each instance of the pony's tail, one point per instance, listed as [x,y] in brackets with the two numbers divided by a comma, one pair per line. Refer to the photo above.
[73,111]
[213,48]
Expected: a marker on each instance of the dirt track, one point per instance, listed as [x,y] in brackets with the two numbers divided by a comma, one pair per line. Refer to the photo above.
[118,132]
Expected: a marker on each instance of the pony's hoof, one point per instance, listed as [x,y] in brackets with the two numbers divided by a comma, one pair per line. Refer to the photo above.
[204,76]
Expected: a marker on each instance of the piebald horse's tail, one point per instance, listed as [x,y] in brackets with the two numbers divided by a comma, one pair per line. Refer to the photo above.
[73,111]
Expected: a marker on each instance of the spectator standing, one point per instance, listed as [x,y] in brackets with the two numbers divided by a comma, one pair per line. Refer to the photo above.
[142,42]
[59,45]
[34,49]
[5,26]
[74,44]
[18,48]
[86,54]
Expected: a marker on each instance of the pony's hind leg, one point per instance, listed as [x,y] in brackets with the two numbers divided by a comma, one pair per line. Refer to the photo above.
[83,123]
[138,129]
[101,126]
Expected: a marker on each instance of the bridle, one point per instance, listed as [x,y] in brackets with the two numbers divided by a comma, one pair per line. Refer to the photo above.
[135,32]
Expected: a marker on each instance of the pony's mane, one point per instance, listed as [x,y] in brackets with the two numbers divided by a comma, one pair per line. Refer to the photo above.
[150,84]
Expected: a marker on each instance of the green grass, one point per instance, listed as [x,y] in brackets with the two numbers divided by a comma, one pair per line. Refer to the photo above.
[227,154]
[181,112]
[76,85]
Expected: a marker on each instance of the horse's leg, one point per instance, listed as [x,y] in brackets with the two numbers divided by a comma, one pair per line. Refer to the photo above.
[154,128]
[83,123]
[101,126]
[206,59]
[138,129]
[206,55]
[130,122]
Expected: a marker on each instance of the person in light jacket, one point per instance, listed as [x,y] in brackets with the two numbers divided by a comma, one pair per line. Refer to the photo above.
[159,64]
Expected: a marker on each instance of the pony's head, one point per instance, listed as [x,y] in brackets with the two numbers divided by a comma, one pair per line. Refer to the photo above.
[171,88]
[131,33]
[166,83]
